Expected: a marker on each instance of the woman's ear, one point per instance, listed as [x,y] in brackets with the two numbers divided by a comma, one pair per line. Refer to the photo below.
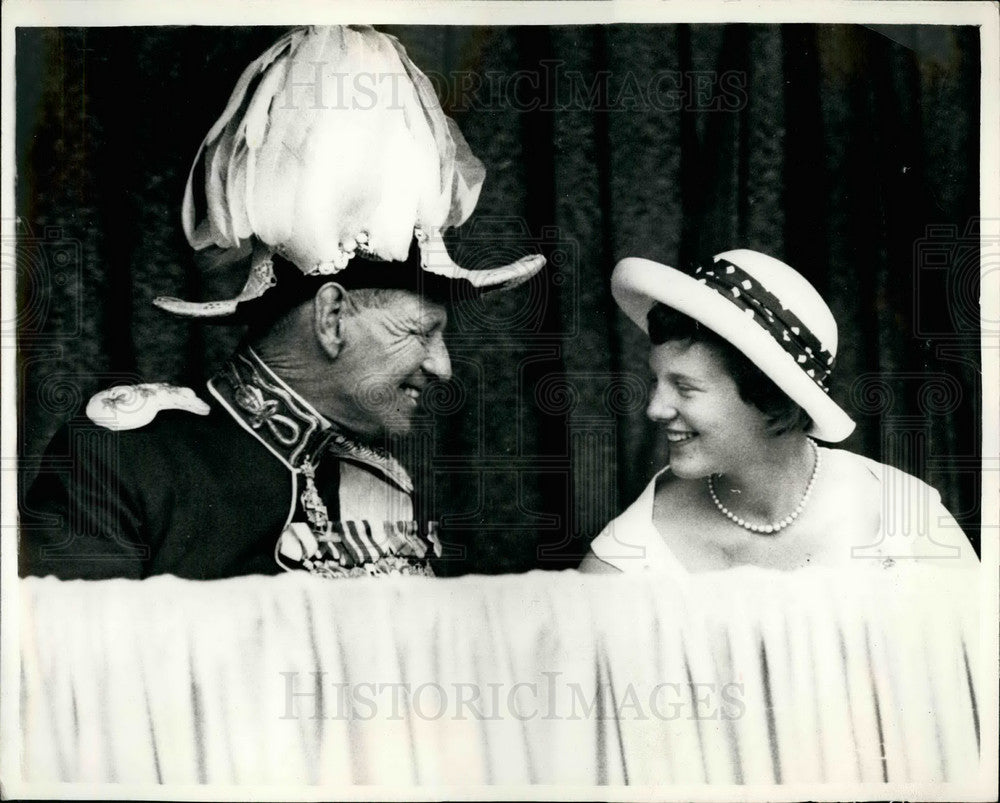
[328,308]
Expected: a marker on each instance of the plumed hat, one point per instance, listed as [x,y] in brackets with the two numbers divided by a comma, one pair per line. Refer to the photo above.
[333,146]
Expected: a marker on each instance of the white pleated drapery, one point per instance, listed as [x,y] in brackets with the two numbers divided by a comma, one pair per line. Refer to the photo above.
[745,676]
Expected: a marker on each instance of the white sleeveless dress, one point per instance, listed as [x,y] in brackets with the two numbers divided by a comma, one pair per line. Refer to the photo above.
[915,527]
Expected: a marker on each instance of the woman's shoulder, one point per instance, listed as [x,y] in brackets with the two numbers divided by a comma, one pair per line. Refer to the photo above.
[864,492]
[854,466]
[913,521]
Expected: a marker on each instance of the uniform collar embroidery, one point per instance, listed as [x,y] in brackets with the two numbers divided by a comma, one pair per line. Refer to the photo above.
[289,425]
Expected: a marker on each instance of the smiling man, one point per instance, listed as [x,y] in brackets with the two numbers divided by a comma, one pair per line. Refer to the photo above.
[335,210]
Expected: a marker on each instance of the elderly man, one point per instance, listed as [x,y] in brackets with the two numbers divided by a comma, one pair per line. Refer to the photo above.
[330,175]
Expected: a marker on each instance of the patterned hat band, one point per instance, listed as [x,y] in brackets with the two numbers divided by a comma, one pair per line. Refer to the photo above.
[741,289]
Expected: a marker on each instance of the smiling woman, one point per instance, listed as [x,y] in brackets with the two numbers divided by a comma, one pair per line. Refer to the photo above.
[666,325]
[741,353]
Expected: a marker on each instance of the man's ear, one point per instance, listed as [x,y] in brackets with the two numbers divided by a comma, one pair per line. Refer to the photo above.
[328,308]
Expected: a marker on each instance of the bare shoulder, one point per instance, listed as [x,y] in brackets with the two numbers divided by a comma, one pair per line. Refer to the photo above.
[852,485]
[852,478]
[870,485]
[849,466]
[905,513]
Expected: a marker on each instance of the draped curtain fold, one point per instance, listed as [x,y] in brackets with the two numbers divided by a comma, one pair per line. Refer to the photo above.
[544,678]
[850,152]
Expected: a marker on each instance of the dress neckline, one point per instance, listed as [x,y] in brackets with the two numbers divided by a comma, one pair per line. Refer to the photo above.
[648,497]
[674,564]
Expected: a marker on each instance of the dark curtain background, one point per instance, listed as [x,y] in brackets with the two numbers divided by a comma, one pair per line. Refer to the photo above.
[850,152]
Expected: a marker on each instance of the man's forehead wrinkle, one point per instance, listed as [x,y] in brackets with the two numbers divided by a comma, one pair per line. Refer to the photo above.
[417,312]
[405,319]
[397,298]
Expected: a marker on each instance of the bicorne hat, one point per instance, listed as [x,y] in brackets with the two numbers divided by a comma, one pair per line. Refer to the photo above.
[333,146]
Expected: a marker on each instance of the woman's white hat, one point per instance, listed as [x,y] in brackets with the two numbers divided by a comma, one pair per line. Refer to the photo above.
[763,307]
[333,144]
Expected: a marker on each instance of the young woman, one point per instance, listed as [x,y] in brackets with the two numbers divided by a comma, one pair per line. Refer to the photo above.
[741,353]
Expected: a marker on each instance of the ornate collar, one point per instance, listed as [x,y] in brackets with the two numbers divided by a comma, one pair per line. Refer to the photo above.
[288,425]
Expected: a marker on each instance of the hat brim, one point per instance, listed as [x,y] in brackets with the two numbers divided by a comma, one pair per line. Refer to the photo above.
[292,286]
[638,284]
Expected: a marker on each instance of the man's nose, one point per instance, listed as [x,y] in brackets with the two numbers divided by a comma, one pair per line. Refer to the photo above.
[661,405]
[437,363]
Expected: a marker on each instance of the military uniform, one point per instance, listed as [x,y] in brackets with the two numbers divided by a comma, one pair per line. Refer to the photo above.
[252,479]
[155,480]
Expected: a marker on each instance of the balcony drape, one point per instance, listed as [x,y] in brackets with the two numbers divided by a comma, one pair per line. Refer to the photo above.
[739,677]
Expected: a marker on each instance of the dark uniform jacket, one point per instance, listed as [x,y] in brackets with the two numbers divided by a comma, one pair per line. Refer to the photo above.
[249,480]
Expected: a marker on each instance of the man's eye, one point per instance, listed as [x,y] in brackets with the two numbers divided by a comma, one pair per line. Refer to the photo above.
[426,333]
[686,391]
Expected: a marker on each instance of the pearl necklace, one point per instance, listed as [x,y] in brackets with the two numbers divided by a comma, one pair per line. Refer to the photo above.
[778,526]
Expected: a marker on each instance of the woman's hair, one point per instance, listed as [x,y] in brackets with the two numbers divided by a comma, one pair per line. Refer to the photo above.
[754,386]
